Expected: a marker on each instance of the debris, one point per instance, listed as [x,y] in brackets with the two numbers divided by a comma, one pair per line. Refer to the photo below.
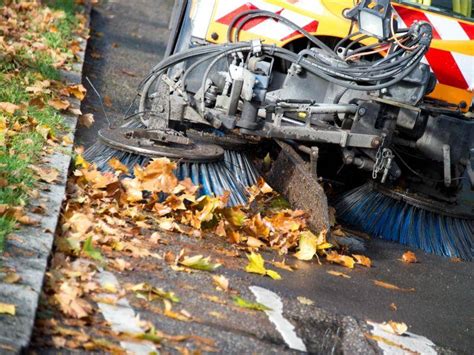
[395,328]
[6,308]
[337,273]
[241,302]
[221,282]
[304,300]
[392,286]
[409,257]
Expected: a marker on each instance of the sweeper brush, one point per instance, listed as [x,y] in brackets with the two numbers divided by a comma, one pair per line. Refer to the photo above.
[409,220]
[358,104]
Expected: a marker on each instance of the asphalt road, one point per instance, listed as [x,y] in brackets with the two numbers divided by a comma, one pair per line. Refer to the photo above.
[128,38]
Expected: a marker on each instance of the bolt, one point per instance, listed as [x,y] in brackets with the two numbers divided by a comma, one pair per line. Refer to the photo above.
[362,111]
[375,142]
[214,36]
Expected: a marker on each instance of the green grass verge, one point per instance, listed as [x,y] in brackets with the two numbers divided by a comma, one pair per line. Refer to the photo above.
[22,149]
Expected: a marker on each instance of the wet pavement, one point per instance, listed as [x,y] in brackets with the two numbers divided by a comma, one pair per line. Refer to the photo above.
[128,38]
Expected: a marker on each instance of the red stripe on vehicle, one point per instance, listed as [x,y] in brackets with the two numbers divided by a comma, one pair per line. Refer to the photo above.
[446,69]
[442,62]
[227,19]
[310,27]
[409,16]
[468,28]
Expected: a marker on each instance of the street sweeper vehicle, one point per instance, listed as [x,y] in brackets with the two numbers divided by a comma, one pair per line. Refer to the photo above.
[375,95]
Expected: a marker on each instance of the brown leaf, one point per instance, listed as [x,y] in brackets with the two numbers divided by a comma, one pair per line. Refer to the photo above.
[86,120]
[337,273]
[59,104]
[362,260]
[343,260]
[392,286]
[8,107]
[77,91]
[409,257]
[129,73]
[115,164]
[107,101]
[46,174]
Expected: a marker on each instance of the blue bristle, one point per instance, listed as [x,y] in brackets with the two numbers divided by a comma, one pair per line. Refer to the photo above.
[394,220]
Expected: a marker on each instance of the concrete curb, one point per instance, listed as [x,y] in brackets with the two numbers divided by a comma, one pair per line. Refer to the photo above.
[28,251]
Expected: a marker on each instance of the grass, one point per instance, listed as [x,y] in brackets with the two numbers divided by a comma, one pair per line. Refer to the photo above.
[24,143]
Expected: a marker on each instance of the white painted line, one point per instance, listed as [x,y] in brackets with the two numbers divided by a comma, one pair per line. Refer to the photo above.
[407,342]
[284,327]
[122,317]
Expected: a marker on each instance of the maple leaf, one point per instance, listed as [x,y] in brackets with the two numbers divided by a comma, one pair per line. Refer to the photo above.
[343,260]
[256,265]
[256,306]
[79,223]
[77,91]
[115,164]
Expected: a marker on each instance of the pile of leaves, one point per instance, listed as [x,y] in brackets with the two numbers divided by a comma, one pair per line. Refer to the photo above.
[37,41]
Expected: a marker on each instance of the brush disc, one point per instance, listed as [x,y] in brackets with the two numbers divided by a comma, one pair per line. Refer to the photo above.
[154,143]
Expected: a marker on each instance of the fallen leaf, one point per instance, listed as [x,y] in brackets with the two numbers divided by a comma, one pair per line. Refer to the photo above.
[6,308]
[243,303]
[256,266]
[67,140]
[392,286]
[129,73]
[8,107]
[282,265]
[59,104]
[78,91]
[12,278]
[115,164]
[90,251]
[175,315]
[337,273]
[409,257]
[86,120]
[221,282]
[362,260]
[307,246]
[107,101]
[199,262]
[150,293]
[395,327]
[343,260]
[46,174]
[304,300]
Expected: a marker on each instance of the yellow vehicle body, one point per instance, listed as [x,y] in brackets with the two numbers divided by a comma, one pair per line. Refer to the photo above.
[451,55]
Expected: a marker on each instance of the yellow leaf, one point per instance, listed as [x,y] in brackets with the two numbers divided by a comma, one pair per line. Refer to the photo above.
[256,264]
[304,300]
[273,274]
[362,260]
[12,278]
[307,246]
[343,260]
[6,308]
[199,262]
[78,91]
[67,140]
[409,257]
[395,327]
